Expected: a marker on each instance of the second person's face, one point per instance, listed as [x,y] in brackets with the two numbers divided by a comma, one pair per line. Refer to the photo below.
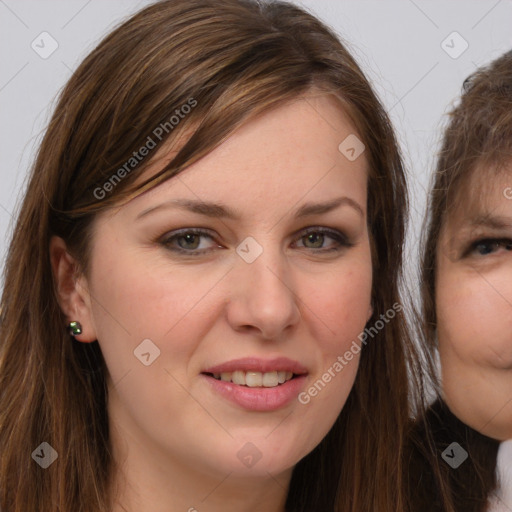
[474,307]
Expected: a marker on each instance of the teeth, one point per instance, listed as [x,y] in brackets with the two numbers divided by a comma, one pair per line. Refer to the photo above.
[255,379]
[238,377]
[270,379]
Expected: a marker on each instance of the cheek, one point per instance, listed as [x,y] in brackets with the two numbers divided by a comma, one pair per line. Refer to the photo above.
[133,301]
[344,304]
[146,309]
[339,316]
[474,320]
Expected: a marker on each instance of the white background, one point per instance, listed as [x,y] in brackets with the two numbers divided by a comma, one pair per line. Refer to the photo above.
[397,43]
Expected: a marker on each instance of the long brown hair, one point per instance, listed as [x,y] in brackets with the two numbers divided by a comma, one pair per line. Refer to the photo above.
[477,137]
[230,60]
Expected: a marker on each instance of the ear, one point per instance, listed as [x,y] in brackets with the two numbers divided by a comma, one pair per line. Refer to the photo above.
[72,289]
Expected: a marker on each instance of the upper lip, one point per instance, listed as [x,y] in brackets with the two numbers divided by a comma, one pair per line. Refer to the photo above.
[256,364]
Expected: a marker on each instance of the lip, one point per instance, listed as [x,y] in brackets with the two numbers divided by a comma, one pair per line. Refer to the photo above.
[259,398]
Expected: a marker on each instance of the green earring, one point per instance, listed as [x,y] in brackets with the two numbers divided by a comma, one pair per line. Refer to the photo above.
[75,328]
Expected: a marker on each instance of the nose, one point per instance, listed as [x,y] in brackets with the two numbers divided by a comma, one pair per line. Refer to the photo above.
[262,296]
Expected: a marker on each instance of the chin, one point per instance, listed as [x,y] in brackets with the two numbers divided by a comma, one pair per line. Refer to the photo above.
[259,458]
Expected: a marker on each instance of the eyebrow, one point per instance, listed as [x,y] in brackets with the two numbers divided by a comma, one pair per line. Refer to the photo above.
[490,221]
[217,210]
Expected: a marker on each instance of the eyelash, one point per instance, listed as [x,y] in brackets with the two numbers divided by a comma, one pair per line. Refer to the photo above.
[506,243]
[337,236]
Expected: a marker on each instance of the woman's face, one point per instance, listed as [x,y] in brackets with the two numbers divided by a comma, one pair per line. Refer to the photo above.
[474,308]
[253,298]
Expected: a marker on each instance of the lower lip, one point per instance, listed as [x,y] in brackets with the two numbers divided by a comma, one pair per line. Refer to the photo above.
[258,399]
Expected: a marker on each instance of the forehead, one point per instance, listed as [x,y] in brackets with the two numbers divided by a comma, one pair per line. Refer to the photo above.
[483,194]
[295,146]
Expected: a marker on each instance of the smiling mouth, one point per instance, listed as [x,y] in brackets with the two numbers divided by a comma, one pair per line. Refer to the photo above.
[254,379]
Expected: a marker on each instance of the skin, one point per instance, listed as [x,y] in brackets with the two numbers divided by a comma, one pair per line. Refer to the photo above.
[474,308]
[176,440]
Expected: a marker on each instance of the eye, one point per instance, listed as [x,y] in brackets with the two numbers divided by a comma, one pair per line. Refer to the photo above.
[191,240]
[316,236]
[188,241]
[487,246]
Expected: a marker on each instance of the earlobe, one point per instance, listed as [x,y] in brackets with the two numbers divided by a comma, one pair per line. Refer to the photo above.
[73,296]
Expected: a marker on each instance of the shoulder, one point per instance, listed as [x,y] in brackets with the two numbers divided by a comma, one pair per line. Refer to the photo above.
[433,479]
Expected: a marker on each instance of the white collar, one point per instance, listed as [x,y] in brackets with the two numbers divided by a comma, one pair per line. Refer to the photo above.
[501,501]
